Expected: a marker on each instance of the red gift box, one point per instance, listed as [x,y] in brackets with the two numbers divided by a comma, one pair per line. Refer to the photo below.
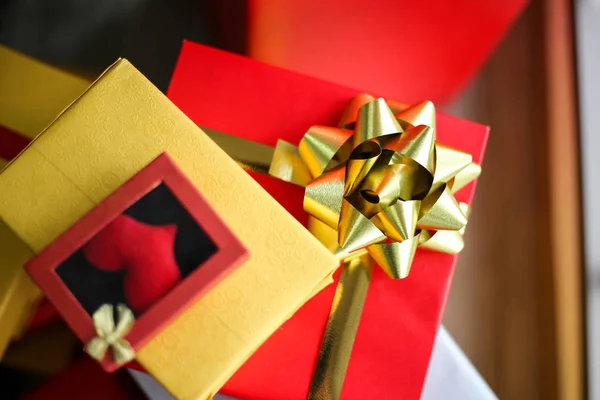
[417,48]
[248,99]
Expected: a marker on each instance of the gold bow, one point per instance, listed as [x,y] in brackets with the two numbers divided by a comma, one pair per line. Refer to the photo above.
[381,182]
[110,335]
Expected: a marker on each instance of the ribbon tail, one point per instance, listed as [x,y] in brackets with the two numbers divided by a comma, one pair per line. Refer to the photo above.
[96,348]
[340,332]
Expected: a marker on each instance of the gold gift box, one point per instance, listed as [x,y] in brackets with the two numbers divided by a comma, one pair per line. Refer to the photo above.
[120,124]
[32,94]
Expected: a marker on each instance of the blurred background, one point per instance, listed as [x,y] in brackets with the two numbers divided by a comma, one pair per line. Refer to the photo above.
[522,301]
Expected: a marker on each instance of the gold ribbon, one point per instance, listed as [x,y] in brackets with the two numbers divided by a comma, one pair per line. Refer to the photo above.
[377,187]
[110,335]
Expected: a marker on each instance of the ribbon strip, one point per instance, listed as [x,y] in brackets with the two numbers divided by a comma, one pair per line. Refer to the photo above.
[110,335]
[377,187]
[342,325]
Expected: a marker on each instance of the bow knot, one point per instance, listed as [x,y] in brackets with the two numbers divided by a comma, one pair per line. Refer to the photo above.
[109,335]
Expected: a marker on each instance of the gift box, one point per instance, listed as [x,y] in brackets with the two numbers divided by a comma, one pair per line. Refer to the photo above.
[408,49]
[129,206]
[32,94]
[261,104]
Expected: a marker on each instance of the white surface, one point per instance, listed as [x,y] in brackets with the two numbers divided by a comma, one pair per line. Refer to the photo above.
[451,376]
[155,391]
[587,24]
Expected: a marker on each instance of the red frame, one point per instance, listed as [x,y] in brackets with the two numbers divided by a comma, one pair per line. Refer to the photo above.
[230,253]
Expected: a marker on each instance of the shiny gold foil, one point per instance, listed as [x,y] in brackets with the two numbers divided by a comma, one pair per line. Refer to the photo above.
[342,324]
[251,156]
[377,187]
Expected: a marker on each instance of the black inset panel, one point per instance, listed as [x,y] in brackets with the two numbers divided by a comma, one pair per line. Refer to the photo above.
[139,257]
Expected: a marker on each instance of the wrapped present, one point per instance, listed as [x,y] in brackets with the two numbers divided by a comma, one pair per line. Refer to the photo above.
[32,94]
[151,242]
[408,49]
[372,185]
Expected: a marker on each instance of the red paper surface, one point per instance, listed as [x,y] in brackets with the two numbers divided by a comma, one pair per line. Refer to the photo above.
[408,49]
[395,337]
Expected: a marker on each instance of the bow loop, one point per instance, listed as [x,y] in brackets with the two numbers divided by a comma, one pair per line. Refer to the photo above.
[109,335]
[422,113]
[375,119]
[362,159]
[320,145]
[356,231]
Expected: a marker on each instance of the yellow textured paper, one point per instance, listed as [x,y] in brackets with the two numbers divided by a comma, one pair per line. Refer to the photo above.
[16,289]
[32,94]
[116,128]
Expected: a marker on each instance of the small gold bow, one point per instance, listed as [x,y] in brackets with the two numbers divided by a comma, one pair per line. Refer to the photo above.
[110,335]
